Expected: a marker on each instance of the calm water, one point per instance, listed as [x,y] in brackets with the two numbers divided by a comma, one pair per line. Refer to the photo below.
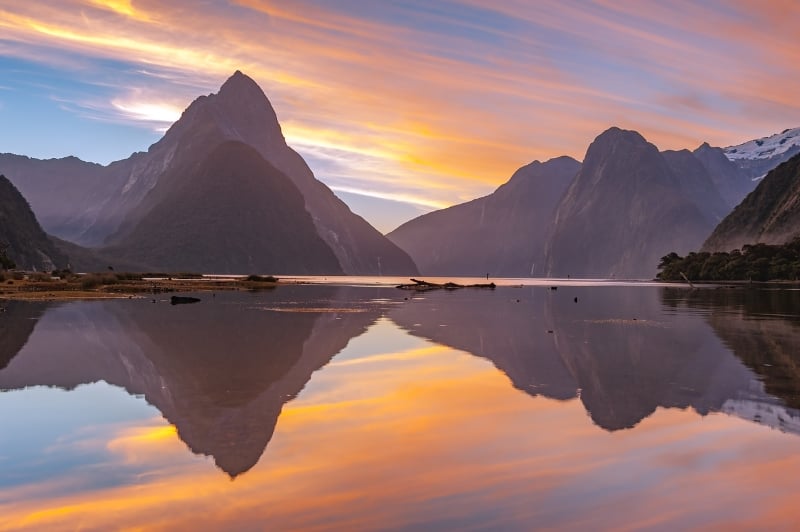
[351,408]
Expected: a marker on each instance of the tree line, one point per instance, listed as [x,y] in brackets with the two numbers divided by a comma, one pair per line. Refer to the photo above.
[754,262]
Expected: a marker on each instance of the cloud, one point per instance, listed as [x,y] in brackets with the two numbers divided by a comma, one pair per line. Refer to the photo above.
[442,102]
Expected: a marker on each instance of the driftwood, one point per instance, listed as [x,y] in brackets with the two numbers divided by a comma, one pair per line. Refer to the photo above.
[424,286]
[183,300]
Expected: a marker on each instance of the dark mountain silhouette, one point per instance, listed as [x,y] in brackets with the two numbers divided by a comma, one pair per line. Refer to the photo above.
[220,370]
[624,210]
[239,112]
[732,182]
[229,212]
[502,233]
[21,237]
[770,214]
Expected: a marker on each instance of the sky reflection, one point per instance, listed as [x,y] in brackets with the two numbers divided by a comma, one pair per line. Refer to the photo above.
[397,431]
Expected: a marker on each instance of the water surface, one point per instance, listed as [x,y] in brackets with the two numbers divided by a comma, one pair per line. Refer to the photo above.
[367,407]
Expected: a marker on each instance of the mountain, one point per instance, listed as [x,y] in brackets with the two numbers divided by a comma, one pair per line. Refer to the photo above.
[27,244]
[621,370]
[220,371]
[731,181]
[231,212]
[770,214]
[757,157]
[66,194]
[624,210]
[238,112]
[502,233]
[697,183]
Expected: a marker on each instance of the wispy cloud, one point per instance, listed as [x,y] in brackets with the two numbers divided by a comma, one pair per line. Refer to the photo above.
[460,93]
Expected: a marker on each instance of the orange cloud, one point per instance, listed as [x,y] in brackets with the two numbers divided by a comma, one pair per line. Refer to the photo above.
[447,105]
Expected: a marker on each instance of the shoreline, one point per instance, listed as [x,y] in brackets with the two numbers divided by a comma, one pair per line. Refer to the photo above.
[110,287]
[60,290]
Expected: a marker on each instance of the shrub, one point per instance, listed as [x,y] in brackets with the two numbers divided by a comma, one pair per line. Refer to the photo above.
[93,280]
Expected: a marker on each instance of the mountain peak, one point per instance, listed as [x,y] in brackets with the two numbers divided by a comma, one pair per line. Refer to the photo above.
[240,85]
[614,139]
[704,146]
[616,134]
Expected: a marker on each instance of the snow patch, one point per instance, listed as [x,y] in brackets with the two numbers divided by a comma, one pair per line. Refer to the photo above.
[765,147]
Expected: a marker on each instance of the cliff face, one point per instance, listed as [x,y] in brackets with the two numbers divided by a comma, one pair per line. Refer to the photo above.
[231,212]
[732,182]
[770,214]
[623,211]
[24,240]
[502,234]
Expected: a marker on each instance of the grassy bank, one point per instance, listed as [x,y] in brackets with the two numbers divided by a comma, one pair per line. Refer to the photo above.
[66,285]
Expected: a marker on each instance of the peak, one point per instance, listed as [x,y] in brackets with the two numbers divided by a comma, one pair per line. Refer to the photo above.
[615,133]
[705,147]
[562,159]
[239,83]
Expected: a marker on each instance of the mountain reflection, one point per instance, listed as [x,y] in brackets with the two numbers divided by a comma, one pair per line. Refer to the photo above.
[17,320]
[621,350]
[761,327]
[220,371]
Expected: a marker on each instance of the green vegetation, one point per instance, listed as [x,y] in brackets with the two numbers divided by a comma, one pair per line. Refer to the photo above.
[757,262]
[93,280]
[5,262]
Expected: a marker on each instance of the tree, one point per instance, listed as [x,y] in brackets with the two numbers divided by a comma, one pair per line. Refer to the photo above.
[5,262]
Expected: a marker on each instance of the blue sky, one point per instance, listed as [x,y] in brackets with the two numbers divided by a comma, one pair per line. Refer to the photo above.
[402,106]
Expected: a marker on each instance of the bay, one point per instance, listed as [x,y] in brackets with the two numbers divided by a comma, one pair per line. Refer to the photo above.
[359,406]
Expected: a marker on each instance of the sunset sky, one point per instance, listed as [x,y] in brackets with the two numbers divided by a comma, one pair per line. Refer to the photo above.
[408,105]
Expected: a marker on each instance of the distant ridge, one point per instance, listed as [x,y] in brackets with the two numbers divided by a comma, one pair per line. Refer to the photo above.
[502,234]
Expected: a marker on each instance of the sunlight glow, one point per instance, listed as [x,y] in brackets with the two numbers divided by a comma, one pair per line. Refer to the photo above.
[149,111]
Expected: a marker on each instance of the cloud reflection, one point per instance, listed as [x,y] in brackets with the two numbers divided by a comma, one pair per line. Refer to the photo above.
[431,435]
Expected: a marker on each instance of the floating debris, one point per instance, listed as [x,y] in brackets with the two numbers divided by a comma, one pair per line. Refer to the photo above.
[424,286]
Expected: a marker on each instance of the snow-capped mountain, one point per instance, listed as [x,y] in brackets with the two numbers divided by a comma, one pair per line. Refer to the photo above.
[759,156]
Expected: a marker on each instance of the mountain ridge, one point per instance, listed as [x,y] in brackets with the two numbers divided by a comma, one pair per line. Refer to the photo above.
[240,111]
[770,214]
[486,235]
[28,246]
[623,210]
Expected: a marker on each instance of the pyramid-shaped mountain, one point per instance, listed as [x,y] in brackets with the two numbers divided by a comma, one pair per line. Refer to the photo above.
[22,239]
[241,112]
[131,188]
[623,211]
[770,214]
[230,212]
[502,234]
